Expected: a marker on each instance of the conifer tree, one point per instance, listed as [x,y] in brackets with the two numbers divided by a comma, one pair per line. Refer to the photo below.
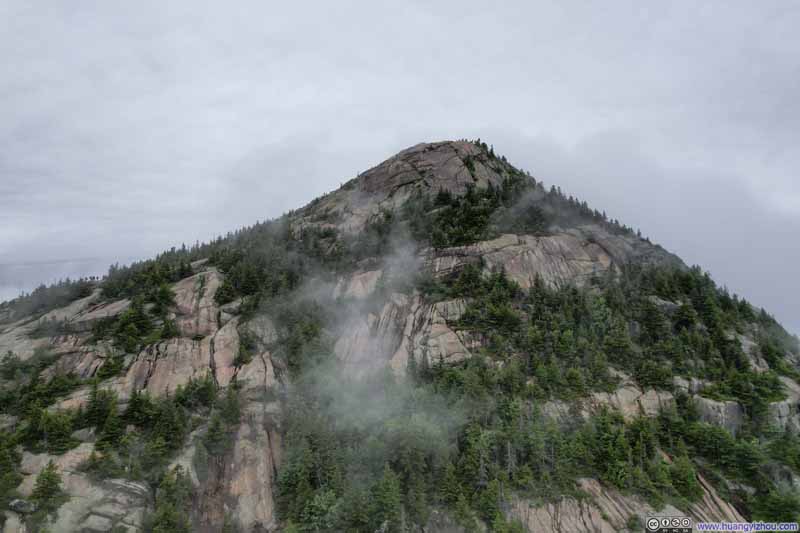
[489,501]
[47,488]
[684,479]
[56,430]
[112,430]
[451,488]
[387,497]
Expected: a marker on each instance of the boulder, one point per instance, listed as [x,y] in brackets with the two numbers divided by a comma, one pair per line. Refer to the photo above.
[665,305]
[20,506]
[228,311]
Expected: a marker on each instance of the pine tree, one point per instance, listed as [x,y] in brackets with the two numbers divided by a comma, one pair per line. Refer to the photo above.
[387,501]
[92,415]
[140,410]
[489,501]
[781,505]
[225,293]
[231,406]
[464,515]
[9,467]
[47,488]
[229,524]
[100,404]
[417,501]
[618,342]
[684,479]
[451,488]
[217,438]
[112,431]
[56,430]
[155,455]
[171,504]
[685,317]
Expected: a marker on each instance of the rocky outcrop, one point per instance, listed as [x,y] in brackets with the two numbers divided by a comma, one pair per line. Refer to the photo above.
[85,320]
[254,466]
[245,478]
[557,258]
[449,165]
[632,402]
[785,414]
[16,339]
[627,399]
[429,337]
[358,286]
[752,351]
[571,256]
[77,358]
[239,484]
[259,378]
[196,311]
[606,510]
[76,319]
[91,506]
[14,523]
[688,385]
[405,327]
[379,324]
[727,414]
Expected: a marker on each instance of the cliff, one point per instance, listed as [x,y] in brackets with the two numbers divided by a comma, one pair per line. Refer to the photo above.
[382,315]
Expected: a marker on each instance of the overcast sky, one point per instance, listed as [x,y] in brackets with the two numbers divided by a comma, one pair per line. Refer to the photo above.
[128,127]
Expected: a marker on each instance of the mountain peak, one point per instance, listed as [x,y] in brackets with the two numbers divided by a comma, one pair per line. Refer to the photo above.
[459,312]
[449,165]
[426,168]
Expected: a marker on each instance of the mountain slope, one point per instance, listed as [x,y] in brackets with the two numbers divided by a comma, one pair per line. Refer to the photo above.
[442,342]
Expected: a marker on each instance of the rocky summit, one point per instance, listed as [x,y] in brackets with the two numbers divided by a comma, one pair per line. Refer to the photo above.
[442,344]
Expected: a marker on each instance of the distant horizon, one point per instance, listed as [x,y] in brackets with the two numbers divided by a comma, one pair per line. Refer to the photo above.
[19,278]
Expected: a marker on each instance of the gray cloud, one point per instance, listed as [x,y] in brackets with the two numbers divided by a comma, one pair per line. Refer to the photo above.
[131,128]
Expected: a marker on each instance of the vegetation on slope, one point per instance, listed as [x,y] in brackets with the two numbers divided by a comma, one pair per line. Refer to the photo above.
[45,298]
[540,345]
[464,437]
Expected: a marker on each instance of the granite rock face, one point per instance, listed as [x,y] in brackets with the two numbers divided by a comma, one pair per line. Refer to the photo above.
[203,347]
[785,414]
[727,414]
[570,256]
[91,506]
[378,326]
[425,167]
[606,510]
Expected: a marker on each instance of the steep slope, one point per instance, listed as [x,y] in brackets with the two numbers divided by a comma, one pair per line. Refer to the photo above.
[442,342]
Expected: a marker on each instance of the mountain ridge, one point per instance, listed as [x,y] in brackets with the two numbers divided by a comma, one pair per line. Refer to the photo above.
[400,354]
